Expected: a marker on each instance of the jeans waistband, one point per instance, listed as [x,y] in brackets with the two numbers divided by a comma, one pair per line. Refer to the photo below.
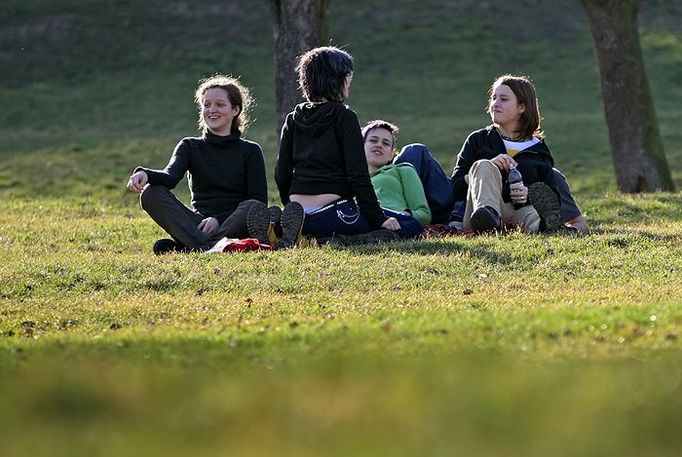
[328,206]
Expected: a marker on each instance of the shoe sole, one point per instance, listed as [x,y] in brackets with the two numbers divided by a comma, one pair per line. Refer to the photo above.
[546,203]
[258,222]
[483,222]
[292,220]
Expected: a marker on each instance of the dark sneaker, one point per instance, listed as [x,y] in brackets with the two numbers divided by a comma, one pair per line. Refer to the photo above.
[546,203]
[292,224]
[166,246]
[258,222]
[486,220]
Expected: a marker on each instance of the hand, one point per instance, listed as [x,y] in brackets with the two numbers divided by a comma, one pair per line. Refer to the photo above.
[391,224]
[518,193]
[504,162]
[209,225]
[137,181]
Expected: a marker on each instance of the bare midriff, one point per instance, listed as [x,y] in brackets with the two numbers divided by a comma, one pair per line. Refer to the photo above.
[314,201]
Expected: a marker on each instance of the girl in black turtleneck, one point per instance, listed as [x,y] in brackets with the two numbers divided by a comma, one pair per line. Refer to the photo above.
[226,174]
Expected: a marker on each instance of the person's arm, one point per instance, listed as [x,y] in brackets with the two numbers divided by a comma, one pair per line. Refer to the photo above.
[174,171]
[356,169]
[285,162]
[468,154]
[256,180]
[413,191]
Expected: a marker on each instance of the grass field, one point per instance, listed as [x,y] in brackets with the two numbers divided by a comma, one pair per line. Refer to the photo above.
[513,345]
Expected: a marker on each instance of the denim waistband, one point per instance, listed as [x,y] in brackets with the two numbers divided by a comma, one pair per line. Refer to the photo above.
[327,206]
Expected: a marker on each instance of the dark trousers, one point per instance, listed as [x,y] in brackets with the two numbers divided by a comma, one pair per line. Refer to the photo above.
[181,223]
[409,226]
[436,184]
[344,217]
[339,217]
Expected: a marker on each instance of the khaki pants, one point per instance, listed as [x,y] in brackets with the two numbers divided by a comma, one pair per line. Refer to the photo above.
[485,189]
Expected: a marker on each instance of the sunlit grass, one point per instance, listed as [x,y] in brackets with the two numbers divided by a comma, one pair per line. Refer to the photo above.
[509,345]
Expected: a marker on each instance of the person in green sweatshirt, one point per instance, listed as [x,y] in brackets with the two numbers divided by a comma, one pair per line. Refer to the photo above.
[397,186]
[225,173]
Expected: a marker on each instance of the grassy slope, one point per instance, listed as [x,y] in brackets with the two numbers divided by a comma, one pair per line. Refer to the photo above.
[538,345]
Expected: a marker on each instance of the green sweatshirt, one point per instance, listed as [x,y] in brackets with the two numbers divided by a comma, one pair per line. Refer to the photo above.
[398,188]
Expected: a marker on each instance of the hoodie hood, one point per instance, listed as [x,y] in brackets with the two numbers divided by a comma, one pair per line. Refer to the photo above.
[314,118]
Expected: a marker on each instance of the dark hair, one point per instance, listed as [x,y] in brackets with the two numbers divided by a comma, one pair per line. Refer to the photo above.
[380,124]
[322,73]
[525,93]
[237,94]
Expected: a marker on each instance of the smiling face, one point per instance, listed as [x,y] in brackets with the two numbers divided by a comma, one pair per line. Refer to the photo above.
[504,108]
[378,148]
[217,111]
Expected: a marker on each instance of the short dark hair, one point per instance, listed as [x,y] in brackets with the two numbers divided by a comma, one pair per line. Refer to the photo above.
[322,73]
[526,95]
[380,124]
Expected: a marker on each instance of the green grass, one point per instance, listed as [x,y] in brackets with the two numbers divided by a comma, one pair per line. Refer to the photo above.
[513,345]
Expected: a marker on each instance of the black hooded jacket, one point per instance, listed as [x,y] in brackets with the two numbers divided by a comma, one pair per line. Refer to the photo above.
[534,163]
[321,152]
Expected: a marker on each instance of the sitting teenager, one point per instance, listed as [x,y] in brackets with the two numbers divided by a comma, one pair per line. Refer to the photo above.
[225,173]
[439,190]
[397,186]
[514,140]
[321,162]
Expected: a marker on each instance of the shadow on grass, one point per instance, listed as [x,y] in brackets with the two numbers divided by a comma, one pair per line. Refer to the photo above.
[625,235]
[439,246]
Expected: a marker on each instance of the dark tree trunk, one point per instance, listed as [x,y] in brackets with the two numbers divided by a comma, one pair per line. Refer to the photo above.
[298,25]
[636,145]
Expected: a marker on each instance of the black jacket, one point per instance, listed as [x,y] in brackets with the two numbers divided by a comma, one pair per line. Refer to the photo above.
[321,152]
[222,171]
[534,163]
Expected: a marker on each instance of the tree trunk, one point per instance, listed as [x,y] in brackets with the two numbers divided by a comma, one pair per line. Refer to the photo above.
[636,145]
[298,25]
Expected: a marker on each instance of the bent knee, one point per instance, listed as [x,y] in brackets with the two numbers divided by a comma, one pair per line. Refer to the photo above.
[150,194]
[485,166]
[248,203]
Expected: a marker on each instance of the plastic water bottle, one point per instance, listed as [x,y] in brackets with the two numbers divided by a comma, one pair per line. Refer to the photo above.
[514,177]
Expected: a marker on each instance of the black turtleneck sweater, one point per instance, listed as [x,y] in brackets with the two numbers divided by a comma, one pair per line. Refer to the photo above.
[222,171]
[321,152]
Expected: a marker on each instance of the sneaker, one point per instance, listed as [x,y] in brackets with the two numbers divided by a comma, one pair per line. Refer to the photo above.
[292,224]
[486,220]
[258,222]
[546,203]
[166,246]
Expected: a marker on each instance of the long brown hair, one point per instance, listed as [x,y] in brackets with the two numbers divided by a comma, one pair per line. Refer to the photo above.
[525,93]
[237,94]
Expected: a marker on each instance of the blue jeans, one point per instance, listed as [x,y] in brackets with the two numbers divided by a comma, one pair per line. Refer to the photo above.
[341,216]
[436,184]
[569,208]
[344,217]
